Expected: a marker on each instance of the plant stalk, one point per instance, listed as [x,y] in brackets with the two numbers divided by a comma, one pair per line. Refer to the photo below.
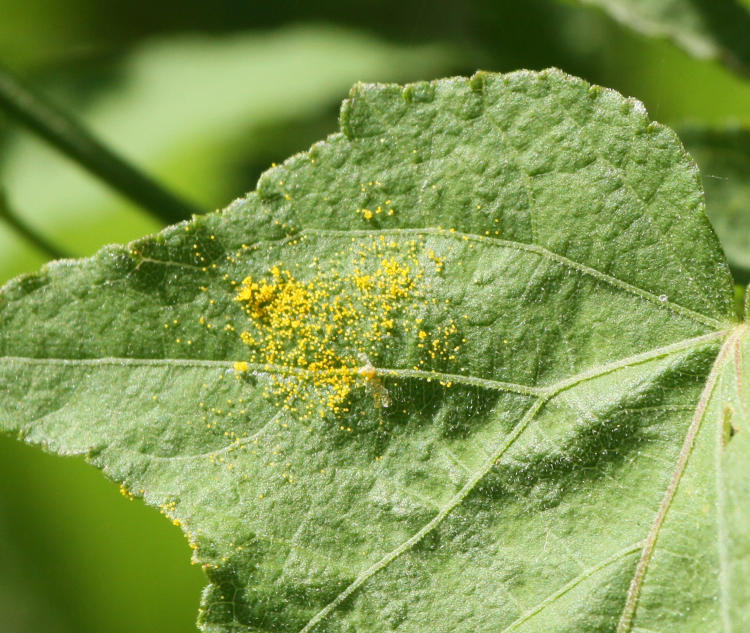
[70,137]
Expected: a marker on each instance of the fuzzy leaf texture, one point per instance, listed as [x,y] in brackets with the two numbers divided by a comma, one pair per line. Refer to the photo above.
[469,365]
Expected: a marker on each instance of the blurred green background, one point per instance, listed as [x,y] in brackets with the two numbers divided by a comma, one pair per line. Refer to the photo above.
[204,96]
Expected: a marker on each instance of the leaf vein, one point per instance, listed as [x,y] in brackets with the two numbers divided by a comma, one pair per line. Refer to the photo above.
[510,244]
[485,383]
[626,617]
[433,523]
[572,584]
[541,252]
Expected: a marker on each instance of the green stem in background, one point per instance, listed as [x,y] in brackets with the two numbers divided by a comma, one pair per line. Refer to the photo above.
[26,231]
[68,136]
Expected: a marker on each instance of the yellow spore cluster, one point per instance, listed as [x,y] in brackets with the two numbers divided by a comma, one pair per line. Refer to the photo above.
[372,211]
[369,214]
[318,330]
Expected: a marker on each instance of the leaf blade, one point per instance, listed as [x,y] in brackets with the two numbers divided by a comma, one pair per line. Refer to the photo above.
[572,376]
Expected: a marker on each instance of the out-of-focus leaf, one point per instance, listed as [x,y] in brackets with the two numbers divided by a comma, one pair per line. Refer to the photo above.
[709,29]
[724,158]
[35,30]
[77,557]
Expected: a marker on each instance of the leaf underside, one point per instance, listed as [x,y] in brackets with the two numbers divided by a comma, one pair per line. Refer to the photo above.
[469,365]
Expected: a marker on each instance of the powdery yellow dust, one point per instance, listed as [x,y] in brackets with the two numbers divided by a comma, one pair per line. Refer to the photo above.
[311,334]
[317,328]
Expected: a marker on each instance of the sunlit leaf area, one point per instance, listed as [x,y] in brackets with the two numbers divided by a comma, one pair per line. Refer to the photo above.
[455,343]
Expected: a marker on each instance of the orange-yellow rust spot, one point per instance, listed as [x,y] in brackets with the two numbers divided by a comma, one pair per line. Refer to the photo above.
[126,493]
[309,333]
[313,327]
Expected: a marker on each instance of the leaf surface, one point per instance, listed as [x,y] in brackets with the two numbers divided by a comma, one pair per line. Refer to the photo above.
[469,365]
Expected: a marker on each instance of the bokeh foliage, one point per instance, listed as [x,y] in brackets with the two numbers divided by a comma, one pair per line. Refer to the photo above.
[206,97]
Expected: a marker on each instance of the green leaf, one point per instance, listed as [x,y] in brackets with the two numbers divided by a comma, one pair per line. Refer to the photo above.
[469,365]
[708,29]
[724,158]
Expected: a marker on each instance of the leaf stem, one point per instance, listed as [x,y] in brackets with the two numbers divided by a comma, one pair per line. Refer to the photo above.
[71,138]
[7,214]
